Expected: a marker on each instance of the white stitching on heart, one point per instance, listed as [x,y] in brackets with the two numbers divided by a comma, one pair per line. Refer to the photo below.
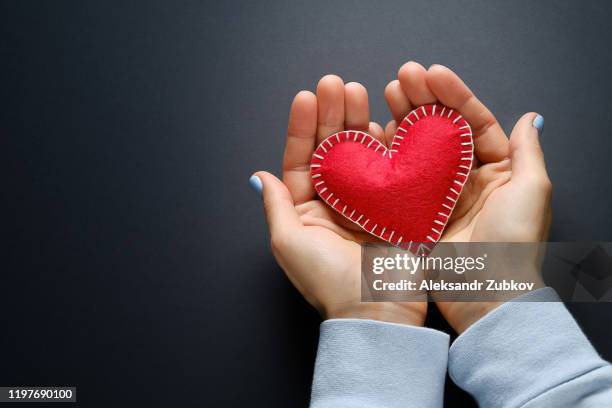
[451,199]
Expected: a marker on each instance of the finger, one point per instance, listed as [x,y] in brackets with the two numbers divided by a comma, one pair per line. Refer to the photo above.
[398,102]
[412,80]
[390,130]
[377,131]
[280,211]
[330,97]
[490,141]
[526,154]
[356,109]
[301,137]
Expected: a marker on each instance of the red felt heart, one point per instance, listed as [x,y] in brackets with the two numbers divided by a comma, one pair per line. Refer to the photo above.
[404,194]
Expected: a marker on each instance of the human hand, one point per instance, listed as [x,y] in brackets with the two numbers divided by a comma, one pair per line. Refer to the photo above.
[318,249]
[506,197]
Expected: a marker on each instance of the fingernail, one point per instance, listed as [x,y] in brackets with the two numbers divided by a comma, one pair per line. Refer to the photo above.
[256,184]
[538,123]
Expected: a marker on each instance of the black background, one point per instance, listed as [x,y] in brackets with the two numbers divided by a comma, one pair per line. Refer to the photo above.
[136,263]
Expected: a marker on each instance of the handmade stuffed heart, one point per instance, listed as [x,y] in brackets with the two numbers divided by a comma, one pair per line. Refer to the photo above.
[404,194]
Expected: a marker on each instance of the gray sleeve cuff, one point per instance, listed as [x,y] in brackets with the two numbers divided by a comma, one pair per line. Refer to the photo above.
[520,351]
[366,363]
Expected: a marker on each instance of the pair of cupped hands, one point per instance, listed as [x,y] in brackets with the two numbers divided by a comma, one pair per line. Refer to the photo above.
[506,197]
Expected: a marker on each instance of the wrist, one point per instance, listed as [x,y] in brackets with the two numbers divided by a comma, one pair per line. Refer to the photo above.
[462,315]
[471,313]
[408,313]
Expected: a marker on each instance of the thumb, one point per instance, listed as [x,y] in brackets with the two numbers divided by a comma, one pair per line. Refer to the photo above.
[525,150]
[278,204]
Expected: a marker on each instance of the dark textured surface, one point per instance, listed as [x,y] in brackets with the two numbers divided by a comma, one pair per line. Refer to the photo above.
[137,265]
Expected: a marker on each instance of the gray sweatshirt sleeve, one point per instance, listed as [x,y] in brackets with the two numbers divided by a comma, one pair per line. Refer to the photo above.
[530,353]
[366,363]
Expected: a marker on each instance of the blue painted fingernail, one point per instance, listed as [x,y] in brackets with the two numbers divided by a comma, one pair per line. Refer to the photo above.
[256,184]
[538,123]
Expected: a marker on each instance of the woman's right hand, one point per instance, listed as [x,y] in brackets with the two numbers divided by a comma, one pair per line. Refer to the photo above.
[507,196]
